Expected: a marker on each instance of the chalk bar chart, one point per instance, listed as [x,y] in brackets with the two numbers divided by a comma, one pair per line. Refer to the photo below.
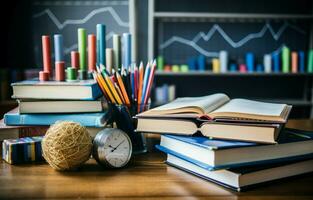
[65,17]
[179,41]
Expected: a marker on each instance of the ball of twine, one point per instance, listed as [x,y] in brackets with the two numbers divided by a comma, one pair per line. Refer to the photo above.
[66,145]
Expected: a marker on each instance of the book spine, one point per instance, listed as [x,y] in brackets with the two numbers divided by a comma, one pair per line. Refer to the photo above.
[45,120]
[32,131]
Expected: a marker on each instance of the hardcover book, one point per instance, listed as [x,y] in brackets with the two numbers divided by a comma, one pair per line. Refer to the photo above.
[217,116]
[34,89]
[13,118]
[214,154]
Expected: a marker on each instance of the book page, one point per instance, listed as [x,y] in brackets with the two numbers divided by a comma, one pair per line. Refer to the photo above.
[245,106]
[203,104]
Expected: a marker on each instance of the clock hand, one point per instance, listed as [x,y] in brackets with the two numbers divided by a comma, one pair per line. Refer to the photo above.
[117,146]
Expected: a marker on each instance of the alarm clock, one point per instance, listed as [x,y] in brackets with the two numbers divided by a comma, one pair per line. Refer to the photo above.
[112,148]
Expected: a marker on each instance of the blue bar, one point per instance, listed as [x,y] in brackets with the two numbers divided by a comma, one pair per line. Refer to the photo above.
[259,68]
[58,48]
[301,62]
[201,63]
[192,63]
[233,67]
[101,44]
[276,62]
[250,62]
[126,51]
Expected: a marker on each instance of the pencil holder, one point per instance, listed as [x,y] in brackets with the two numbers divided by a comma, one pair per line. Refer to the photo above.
[123,115]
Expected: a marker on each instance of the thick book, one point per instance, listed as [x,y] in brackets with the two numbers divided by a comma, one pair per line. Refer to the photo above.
[60,106]
[255,132]
[218,154]
[242,178]
[217,116]
[221,107]
[14,132]
[34,89]
[13,118]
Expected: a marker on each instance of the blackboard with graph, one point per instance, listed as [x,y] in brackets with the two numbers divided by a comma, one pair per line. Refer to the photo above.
[65,17]
[184,29]
[176,42]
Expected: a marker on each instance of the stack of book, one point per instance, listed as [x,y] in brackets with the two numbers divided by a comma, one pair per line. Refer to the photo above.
[236,143]
[43,103]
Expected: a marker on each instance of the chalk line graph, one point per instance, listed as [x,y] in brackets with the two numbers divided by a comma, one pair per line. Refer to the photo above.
[94,12]
[235,44]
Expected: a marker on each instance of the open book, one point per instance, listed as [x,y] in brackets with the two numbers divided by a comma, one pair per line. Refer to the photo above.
[220,107]
[217,116]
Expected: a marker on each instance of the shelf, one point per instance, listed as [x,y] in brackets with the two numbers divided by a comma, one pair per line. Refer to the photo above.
[229,15]
[209,73]
[295,102]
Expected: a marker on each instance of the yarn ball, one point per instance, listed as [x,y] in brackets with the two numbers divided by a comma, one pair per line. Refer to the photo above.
[66,145]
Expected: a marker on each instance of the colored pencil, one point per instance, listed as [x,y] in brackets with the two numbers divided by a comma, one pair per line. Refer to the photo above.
[101,86]
[145,83]
[105,87]
[119,92]
[132,82]
[122,87]
[136,82]
[112,88]
[150,82]
[141,72]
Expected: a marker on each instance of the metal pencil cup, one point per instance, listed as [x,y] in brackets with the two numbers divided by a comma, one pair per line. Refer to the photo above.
[123,117]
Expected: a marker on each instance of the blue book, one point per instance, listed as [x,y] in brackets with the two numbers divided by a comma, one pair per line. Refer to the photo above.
[34,89]
[243,178]
[212,154]
[13,118]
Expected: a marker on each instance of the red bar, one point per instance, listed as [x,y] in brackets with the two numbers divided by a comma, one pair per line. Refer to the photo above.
[60,71]
[75,59]
[242,68]
[44,76]
[46,54]
[294,62]
[91,52]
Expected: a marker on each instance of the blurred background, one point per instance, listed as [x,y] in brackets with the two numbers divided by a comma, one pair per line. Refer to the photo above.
[250,49]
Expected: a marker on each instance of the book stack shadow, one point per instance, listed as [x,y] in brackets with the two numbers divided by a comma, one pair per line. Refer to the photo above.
[44,103]
[236,143]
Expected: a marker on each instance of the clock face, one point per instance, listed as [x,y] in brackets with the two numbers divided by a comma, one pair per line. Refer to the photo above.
[117,148]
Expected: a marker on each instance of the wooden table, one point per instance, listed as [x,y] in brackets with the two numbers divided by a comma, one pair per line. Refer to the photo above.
[146,177]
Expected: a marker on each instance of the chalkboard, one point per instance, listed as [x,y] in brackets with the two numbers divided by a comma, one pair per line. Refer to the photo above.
[178,41]
[65,17]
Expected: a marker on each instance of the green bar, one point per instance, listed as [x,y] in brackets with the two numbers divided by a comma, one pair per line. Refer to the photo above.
[71,74]
[160,63]
[82,48]
[175,68]
[285,56]
[310,61]
[184,68]
[117,51]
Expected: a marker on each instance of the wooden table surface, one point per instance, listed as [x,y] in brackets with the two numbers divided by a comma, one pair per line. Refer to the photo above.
[146,177]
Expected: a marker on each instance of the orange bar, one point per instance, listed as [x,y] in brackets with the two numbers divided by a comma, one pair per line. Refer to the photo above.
[43,76]
[46,54]
[91,53]
[294,62]
[60,71]
[75,59]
